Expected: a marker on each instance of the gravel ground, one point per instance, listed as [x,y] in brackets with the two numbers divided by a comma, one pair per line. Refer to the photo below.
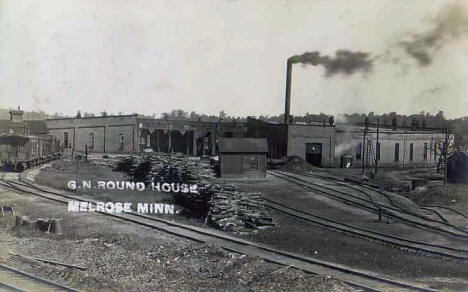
[123,257]
[290,234]
[299,236]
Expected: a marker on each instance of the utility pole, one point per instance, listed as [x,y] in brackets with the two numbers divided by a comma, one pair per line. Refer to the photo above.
[76,175]
[377,147]
[363,158]
[445,154]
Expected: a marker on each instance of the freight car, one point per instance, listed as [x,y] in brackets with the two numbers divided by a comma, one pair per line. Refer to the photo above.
[18,152]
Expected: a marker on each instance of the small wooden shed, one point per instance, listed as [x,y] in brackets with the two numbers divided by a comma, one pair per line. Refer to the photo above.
[242,157]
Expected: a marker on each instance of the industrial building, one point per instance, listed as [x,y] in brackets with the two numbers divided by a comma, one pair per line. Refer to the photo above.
[321,144]
[348,145]
[130,133]
[327,145]
[186,136]
[117,134]
[395,147]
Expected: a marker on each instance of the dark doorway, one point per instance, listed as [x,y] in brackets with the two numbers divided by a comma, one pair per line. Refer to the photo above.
[314,153]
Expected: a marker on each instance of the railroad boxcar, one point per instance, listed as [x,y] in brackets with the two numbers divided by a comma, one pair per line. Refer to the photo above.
[18,152]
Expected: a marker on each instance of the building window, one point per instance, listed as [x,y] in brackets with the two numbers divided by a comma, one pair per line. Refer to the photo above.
[435,150]
[411,152]
[121,141]
[65,139]
[397,152]
[91,141]
[250,163]
[377,151]
[425,152]
[358,151]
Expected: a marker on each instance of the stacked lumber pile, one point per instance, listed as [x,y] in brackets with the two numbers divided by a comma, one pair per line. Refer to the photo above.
[223,206]
[237,211]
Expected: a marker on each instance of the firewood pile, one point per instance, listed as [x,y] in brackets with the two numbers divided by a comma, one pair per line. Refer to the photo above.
[237,211]
[127,164]
[178,170]
[223,206]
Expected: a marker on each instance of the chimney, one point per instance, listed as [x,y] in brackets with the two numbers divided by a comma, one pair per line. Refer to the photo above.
[394,123]
[287,103]
[16,115]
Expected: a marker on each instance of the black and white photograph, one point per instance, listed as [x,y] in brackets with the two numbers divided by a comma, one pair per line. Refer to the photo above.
[234,145]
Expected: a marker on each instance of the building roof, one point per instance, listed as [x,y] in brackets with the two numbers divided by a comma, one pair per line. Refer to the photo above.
[387,129]
[4,126]
[37,127]
[390,127]
[242,145]
[94,117]
[13,139]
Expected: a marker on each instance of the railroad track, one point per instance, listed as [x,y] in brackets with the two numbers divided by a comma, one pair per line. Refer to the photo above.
[371,206]
[18,281]
[361,188]
[446,208]
[393,205]
[383,193]
[411,246]
[362,280]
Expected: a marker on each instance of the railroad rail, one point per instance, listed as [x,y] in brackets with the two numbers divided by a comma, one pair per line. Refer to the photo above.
[376,190]
[371,206]
[361,188]
[446,208]
[362,280]
[15,280]
[393,205]
[412,246]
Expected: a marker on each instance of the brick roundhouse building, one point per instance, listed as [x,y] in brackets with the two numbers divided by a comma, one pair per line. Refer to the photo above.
[321,144]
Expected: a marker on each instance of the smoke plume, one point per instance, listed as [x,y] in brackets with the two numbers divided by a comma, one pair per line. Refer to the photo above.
[344,61]
[449,25]
[347,145]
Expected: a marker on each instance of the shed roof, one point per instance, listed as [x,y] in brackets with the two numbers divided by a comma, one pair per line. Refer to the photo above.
[13,139]
[239,145]
[4,125]
[37,127]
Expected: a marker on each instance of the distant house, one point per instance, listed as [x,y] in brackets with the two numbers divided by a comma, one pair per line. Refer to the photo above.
[457,167]
[242,157]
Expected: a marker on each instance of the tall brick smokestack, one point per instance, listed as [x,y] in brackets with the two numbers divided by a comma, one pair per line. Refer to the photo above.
[346,62]
[287,101]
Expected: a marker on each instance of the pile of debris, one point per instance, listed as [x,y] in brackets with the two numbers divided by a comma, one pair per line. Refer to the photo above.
[125,164]
[49,225]
[296,163]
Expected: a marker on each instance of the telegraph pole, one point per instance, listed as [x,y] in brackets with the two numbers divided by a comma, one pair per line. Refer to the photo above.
[445,154]
[76,175]
[366,122]
[377,147]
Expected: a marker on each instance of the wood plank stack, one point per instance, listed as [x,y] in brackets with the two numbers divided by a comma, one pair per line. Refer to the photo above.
[223,206]
[237,211]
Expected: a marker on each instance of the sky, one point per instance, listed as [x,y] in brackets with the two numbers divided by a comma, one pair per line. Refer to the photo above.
[149,57]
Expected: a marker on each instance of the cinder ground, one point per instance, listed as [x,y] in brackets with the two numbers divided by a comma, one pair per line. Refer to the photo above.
[295,235]
[434,192]
[120,256]
[299,236]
